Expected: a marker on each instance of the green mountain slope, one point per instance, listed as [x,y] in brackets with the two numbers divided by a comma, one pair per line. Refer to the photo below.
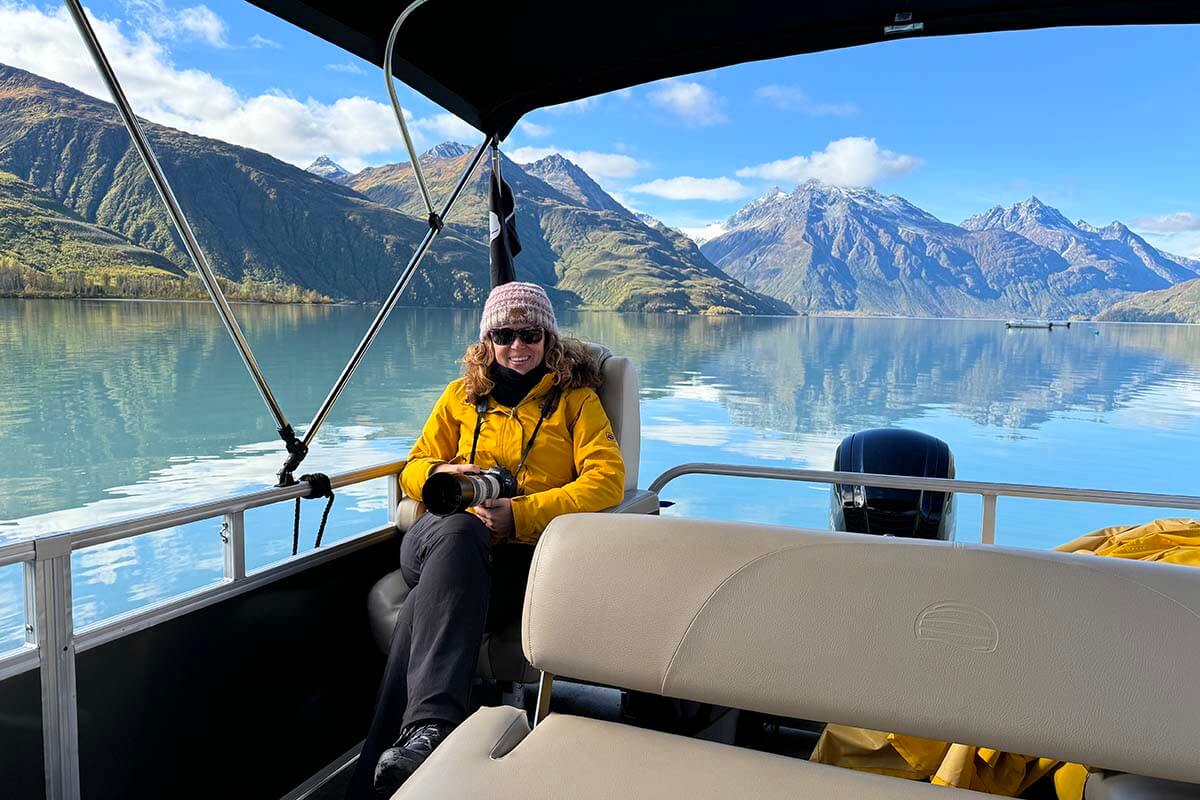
[255,216]
[1179,303]
[577,239]
[38,232]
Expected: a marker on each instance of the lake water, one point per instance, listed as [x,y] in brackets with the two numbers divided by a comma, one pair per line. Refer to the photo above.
[111,409]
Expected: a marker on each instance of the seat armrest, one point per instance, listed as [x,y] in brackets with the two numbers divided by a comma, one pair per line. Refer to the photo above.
[489,733]
[1122,786]
[408,512]
[637,501]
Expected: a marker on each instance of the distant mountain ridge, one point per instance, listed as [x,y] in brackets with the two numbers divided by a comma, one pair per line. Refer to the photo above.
[831,248]
[576,239]
[260,219]
[255,216]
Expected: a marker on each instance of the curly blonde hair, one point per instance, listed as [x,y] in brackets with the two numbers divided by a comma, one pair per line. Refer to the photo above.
[569,360]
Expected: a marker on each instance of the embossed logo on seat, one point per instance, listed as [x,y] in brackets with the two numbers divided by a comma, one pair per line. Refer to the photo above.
[958,624]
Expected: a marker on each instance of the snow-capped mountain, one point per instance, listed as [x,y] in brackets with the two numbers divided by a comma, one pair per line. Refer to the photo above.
[448,150]
[825,247]
[328,169]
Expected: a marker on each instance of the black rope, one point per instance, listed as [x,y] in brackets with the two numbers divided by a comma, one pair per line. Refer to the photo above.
[296,453]
[318,486]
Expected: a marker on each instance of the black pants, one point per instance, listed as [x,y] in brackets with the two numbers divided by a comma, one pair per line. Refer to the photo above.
[448,562]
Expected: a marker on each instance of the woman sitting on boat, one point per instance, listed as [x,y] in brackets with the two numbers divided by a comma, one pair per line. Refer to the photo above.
[468,570]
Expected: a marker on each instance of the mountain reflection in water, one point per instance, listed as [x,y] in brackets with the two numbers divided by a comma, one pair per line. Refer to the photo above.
[109,409]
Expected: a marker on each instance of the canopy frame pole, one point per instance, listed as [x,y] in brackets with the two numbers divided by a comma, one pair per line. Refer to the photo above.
[182,226]
[434,219]
[392,298]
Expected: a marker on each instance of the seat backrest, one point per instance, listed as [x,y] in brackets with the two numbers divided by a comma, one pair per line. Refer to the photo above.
[619,396]
[1076,657]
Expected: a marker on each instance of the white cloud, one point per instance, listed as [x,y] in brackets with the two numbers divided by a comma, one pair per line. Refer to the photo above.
[350,130]
[203,23]
[686,187]
[197,22]
[350,68]
[792,98]
[533,129]
[600,166]
[704,233]
[446,127]
[692,102]
[1178,222]
[259,42]
[853,161]
[624,200]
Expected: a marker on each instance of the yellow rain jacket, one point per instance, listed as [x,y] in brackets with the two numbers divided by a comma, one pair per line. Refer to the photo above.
[1175,541]
[575,464]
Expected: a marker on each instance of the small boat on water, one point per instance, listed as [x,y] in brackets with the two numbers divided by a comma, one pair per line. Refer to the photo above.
[1036,323]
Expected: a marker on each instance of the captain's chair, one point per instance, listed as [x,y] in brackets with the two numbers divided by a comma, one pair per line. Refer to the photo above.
[501,658]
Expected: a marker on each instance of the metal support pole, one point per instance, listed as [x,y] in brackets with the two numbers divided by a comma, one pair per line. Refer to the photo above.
[234,545]
[496,165]
[183,227]
[987,529]
[399,112]
[545,686]
[392,298]
[56,651]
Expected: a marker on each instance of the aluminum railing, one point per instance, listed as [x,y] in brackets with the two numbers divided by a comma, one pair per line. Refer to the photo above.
[988,491]
[51,640]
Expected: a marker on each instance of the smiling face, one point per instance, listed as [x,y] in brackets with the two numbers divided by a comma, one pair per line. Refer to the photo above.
[518,355]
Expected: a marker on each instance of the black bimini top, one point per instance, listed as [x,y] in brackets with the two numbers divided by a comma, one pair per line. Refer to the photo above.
[491,63]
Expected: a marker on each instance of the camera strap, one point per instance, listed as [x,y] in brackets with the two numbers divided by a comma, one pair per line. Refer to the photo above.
[548,406]
[480,410]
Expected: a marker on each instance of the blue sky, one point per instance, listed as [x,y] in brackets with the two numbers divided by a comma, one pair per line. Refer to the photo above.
[1101,123]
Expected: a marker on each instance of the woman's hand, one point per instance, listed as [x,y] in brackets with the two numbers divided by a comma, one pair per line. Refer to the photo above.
[497,515]
[456,468]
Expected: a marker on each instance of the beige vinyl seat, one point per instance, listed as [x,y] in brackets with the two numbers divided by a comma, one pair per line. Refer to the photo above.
[1074,657]
[500,658]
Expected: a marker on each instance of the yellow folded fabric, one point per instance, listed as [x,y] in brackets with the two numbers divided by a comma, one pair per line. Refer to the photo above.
[1173,541]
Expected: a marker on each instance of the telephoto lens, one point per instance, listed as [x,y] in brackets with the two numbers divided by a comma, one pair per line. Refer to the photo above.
[447,493]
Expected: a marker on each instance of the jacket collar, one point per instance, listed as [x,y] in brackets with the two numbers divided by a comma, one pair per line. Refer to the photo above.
[538,392]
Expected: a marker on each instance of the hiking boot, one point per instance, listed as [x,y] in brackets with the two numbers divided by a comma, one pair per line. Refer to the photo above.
[400,760]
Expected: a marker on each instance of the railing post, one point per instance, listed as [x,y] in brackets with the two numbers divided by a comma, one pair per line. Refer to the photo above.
[987,530]
[56,650]
[31,602]
[393,497]
[233,540]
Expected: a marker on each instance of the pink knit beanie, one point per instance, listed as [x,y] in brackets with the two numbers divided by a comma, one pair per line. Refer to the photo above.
[517,304]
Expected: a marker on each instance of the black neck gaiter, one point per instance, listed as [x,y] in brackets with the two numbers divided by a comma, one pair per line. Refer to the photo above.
[511,387]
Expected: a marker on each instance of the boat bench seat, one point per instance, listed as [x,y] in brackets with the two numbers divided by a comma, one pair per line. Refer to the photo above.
[1079,658]
[493,754]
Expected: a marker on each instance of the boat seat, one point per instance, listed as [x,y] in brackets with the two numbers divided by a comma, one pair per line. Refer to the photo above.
[500,658]
[1073,657]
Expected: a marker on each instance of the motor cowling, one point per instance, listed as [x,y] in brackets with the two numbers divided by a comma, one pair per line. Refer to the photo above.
[893,512]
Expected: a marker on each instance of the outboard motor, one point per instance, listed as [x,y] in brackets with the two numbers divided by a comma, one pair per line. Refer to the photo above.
[893,512]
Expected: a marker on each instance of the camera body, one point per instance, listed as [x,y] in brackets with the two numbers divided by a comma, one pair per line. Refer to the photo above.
[447,493]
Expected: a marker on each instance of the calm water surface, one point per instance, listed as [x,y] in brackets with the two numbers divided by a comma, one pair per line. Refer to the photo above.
[111,409]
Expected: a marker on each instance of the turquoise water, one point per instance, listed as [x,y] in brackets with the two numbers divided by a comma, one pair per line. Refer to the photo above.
[111,409]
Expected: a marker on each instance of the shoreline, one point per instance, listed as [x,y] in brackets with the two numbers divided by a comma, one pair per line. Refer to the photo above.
[376,304]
